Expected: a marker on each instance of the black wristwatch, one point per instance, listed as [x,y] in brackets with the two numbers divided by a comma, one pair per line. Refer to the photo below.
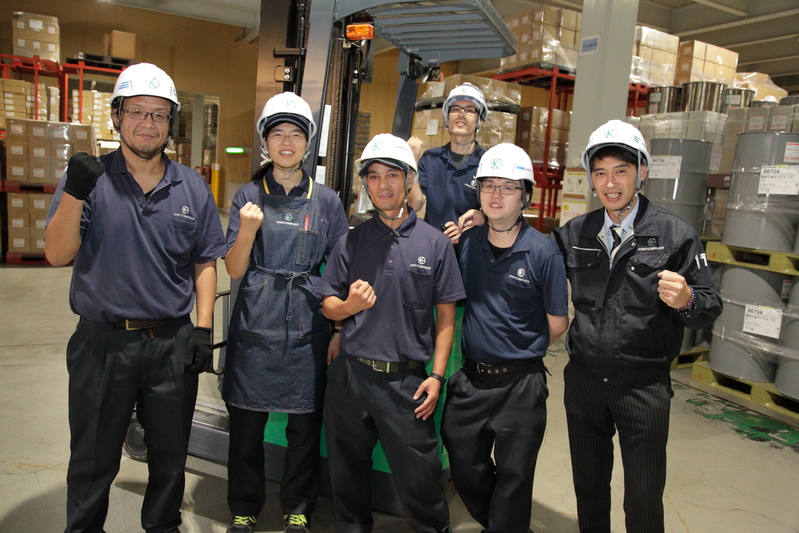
[335,330]
[438,377]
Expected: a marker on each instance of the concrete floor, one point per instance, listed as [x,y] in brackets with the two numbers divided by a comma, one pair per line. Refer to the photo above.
[730,470]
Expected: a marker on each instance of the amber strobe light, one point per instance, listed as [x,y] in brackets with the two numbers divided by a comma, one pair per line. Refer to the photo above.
[360,32]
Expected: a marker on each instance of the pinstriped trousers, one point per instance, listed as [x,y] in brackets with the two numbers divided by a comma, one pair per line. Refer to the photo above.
[640,413]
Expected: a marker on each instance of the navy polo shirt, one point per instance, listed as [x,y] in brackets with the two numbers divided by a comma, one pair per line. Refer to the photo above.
[137,255]
[450,191]
[332,212]
[507,300]
[410,274]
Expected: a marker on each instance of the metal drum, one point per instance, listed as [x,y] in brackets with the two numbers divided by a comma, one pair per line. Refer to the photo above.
[745,355]
[664,99]
[702,96]
[786,380]
[789,100]
[761,221]
[684,195]
[737,97]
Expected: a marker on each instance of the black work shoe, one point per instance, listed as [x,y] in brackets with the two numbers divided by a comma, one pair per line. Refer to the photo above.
[296,523]
[241,524]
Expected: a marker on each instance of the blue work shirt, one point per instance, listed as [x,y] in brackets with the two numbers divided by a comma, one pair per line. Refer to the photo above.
[450,191]
[137,255]
[410,274]
[508,299]
[333,218]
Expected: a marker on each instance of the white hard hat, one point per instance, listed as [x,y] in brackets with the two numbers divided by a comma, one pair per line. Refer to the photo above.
[144,79]
[616,133]
[470,92]
[387,149]
[506,161]
[286,107]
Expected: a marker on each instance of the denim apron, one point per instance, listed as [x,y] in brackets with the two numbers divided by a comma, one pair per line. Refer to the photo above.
[277,344]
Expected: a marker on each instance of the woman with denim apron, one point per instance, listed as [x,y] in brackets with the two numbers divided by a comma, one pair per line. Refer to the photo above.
[282,228]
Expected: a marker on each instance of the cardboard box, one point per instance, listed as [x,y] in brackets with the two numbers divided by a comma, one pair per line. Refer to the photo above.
[122,44]
[17,147]
[38,130]
[82,147]
[17,169]
[60,151]
[17,128]
[58,131]
[37,241]
[19,220]
[19,241]
[39,172]
[39,151]
[18,202]
[57,170]
[39,203]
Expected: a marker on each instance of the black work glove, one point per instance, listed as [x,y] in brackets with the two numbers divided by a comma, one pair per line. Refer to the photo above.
[82,173]
[200,351]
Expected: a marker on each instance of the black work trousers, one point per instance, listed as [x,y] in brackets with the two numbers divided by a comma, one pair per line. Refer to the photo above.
[246,483]
[361,405]
[506,414]
[110,371]
[640,413]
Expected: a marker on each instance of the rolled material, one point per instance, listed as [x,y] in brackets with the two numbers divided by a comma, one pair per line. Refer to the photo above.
[755,219]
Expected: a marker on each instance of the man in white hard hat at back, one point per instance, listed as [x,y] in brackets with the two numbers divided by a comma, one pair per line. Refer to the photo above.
[516,306]
[144,234]
[638,275]
[446,184]
[385,279]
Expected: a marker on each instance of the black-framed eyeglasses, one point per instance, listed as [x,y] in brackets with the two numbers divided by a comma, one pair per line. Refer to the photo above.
[469,111]
[137,114]
[505,190]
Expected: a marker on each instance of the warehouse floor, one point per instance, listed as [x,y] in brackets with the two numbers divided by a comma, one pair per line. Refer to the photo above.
[730,470]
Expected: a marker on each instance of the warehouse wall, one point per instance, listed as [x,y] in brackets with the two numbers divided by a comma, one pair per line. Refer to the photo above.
[200,56]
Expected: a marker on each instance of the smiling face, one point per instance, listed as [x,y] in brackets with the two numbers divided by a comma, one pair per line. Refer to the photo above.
[615,183]
[285,144]
[387,187]
[461,123]
[144,137]
[501,209]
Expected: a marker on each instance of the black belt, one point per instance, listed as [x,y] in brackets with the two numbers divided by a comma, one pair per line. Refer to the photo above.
[131,325]
[504,369]
[385,366]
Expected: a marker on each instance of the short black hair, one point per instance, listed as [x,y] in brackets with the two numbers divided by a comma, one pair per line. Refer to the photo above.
[617,152]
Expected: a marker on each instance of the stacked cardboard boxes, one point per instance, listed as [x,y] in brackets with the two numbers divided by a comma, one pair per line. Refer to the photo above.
[499,127]
[532,134]
[35,35]
[15,100]
[764,88]
[654,57]
[700,61]
[546,34]
[38,151]
[95,111]
[26,217]
[497,93]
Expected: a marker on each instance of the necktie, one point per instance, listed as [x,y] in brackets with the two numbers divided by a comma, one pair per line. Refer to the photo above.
[615,232]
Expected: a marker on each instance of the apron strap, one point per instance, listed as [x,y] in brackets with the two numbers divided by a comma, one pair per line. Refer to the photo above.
[301,280]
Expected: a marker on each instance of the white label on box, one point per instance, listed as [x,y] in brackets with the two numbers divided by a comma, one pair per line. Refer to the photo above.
[779,122]
[38,131]
[16,149]
[791,153]
[38,152]
[779,179]
[17,202]
[570,210]
[589,45]
[756,123]
[19,242]
[34,24]
[51,29]
[39,204]
[38,172]
[764,321]
[665,167]
[787,285]
[36,45]
[20,24]
[17,170]
[437,89]
[40,223]
[432,127]
[575,182]
[16,222]
[21,42]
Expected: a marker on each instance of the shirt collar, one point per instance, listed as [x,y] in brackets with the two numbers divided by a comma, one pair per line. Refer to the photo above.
[273,183]
[118,166]
[405,229]
[627,223]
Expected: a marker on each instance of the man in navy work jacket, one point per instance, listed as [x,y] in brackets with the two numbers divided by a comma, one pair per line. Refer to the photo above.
[516,306]
[144,234]
[638,276]
[384,279]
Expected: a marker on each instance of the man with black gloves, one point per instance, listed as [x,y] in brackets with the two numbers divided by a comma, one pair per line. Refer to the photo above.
[144,234]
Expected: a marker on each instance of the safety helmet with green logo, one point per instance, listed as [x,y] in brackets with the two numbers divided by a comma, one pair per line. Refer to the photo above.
[616,133]
[286,107]
[146,79]
[466,91]
[389,150]
[507,161]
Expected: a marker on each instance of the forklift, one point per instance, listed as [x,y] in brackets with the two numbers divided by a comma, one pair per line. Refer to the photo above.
[323,50]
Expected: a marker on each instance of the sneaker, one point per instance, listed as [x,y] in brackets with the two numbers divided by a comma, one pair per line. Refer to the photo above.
[296,523]
[241,524]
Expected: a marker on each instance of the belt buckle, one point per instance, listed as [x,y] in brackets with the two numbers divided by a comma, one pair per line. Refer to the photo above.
[128,328]
[483,368]
[376,368]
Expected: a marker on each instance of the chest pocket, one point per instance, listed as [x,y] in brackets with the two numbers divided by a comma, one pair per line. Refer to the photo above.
[180,238]
[641,289]
[583,269]
[417,290]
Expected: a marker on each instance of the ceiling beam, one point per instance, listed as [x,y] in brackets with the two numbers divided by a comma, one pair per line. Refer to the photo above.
[722,7]
[739,23]
[768,60]
[763,41]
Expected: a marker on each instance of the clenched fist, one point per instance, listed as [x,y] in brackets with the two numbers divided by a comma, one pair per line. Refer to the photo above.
[250,217]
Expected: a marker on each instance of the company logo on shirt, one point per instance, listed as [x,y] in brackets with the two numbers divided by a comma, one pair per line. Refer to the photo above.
[519,276]
[287,220]
[420,263]
[472,185]
[652,242]
[184,213]
[520,272]
[288,217]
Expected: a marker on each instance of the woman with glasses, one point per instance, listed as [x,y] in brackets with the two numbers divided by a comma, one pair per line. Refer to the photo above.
[282,228]
[446,174]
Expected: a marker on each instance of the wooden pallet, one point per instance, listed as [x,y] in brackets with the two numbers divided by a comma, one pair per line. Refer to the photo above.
[779,262]
[687,359]
[762,394]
